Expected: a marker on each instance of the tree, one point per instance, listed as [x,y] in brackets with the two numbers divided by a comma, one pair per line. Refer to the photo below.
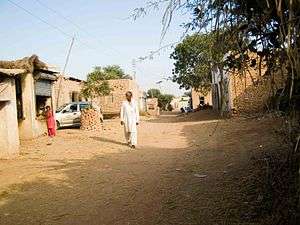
[114,72]
[153,93]
[193,62]
[269,28]
[111,72]
[163,99]
[194,59]
[96,84]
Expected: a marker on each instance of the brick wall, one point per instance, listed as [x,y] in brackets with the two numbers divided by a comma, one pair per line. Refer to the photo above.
[111,104]
[251,89]
[70,87]
[196,98]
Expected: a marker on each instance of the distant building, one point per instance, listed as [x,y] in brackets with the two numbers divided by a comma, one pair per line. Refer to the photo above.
[200,99]
[26,87]
[142,101]
[68,89]
[175,103]
[181,102]
[152,107]
[111,103]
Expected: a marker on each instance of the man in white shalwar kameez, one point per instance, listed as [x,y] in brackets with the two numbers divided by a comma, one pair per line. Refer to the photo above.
[130,118]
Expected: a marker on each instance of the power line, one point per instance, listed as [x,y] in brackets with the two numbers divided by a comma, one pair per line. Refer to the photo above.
[151,54]
[40,19]
[59,14]
[74,24]
[49,24]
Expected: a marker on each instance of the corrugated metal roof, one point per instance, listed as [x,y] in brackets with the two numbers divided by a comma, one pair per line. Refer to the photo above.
[47,76]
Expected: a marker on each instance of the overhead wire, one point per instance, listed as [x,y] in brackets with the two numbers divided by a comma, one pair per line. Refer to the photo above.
[40,19]
[76,25]
[152,53]
[50,25]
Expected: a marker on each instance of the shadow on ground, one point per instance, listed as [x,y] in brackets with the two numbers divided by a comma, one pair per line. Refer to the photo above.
[177,117]
[149,186]
[107,140]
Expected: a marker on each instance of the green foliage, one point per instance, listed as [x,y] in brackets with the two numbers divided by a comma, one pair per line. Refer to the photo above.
[194,57]
[110,72]
[270,29]
[153,93]
[93,90]
[163,99]
[96,84]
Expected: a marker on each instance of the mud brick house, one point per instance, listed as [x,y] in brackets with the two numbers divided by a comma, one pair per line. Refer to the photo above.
[68,89]
[143,101]
[26,87]
[199,99]
[245,91]
[111,103]
[181,102]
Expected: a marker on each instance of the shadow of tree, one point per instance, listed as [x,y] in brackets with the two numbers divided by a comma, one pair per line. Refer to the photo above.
[155,185]
[176,117]
[107,140]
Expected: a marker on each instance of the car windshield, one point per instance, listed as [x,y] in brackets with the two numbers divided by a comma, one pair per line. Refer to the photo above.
[61,108]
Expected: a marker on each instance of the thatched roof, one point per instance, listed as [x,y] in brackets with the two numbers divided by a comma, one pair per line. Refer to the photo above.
[29,64]
[12,72]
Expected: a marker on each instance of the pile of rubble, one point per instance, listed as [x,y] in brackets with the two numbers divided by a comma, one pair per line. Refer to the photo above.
[91,120]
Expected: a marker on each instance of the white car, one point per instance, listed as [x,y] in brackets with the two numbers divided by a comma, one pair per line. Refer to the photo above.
[69,114]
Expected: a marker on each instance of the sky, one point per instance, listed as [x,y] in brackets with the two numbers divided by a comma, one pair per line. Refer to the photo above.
[104,35]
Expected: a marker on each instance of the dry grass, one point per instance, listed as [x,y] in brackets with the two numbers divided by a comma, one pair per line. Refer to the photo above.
[28,63]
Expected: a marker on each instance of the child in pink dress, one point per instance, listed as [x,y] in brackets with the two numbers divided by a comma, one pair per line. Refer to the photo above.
[50,122]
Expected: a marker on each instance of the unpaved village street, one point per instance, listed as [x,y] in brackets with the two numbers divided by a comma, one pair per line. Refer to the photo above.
[186,170]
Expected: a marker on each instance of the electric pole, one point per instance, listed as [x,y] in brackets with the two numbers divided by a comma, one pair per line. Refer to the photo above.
[63,71]
[68,56]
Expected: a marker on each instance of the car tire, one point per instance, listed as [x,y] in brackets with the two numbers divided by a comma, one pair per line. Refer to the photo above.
[57,125]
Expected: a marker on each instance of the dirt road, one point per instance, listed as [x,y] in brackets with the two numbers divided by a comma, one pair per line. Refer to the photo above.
[186,170]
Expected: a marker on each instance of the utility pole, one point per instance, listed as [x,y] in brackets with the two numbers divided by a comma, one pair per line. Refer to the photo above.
[68,56]
[63,71]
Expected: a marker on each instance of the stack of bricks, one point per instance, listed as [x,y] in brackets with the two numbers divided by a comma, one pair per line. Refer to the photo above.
[90,120]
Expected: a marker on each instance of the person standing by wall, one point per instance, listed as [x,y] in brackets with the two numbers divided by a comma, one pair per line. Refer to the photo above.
[50,122]
[130,119]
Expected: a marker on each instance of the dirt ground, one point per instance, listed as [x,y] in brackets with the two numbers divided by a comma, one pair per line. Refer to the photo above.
[186,170]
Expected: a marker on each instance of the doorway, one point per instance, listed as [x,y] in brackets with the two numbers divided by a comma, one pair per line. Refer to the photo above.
[19,101]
